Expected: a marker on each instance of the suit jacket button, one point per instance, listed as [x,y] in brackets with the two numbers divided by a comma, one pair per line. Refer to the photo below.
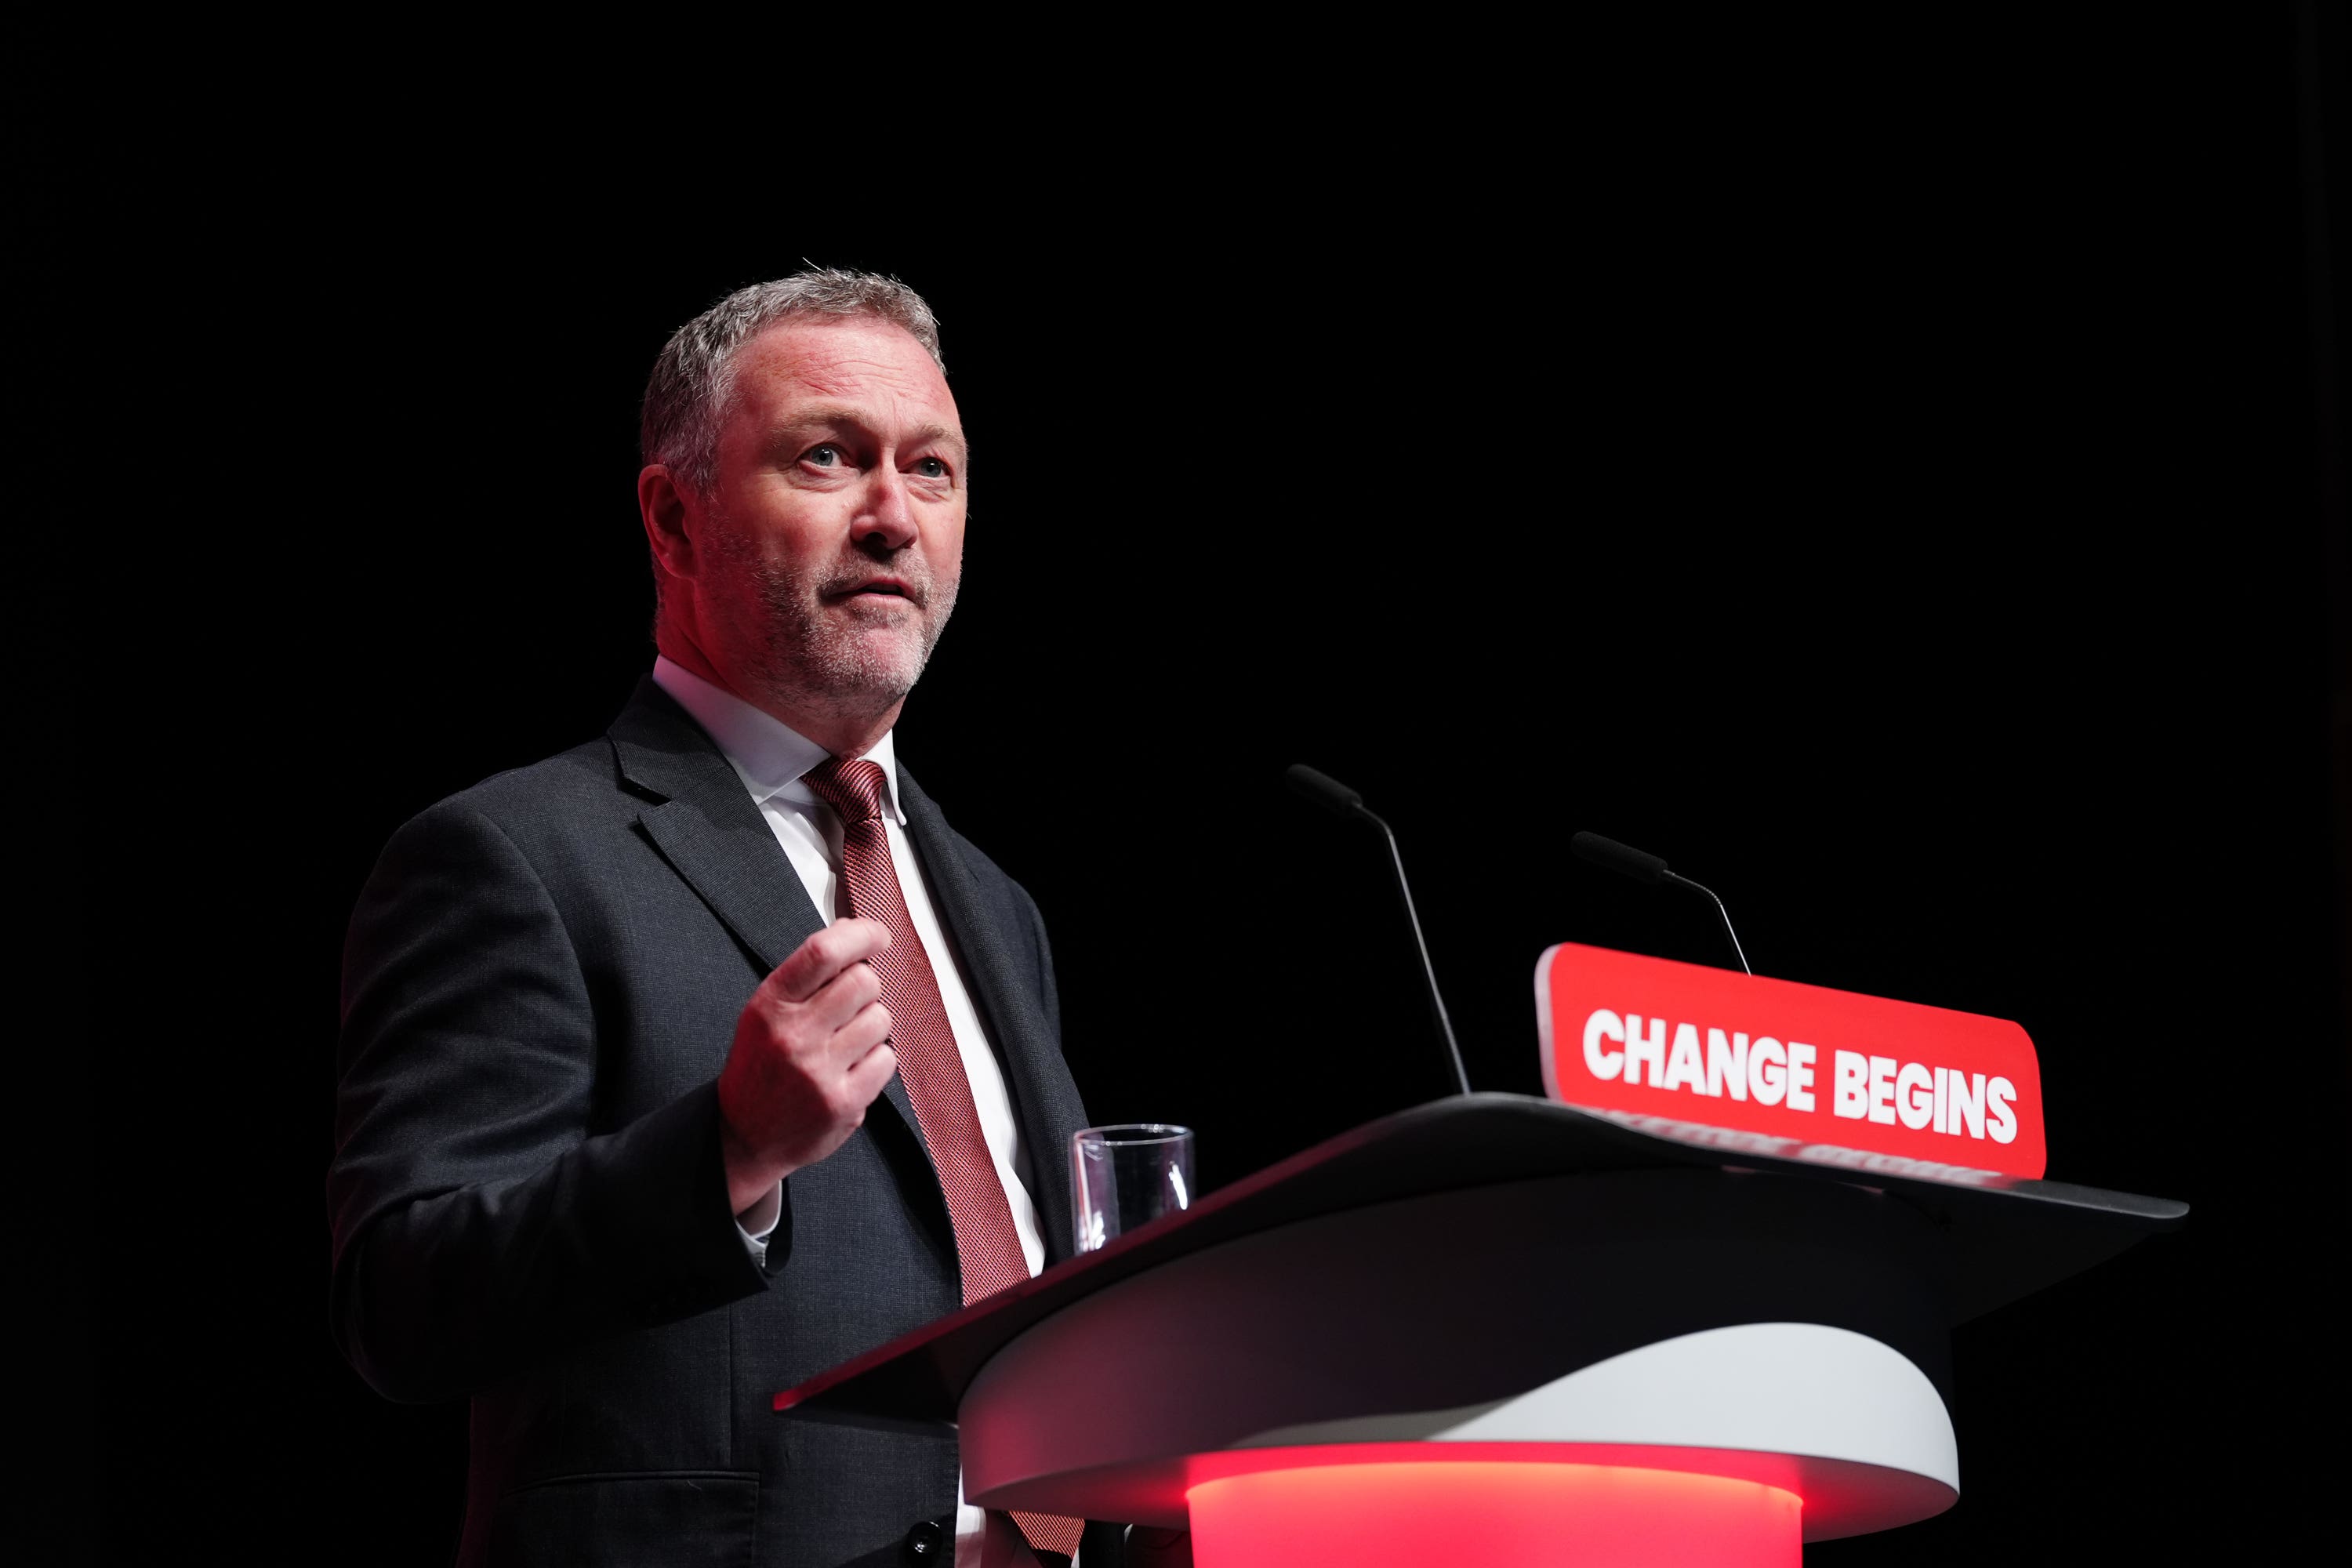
[928,1542]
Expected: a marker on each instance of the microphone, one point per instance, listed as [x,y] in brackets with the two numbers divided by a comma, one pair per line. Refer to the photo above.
[1327,791]
[1628,862]
[1341,801]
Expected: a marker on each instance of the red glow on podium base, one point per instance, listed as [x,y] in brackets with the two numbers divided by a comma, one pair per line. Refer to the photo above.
[1377,1515]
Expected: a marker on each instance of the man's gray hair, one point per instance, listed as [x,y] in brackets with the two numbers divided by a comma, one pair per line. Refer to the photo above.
[694,379]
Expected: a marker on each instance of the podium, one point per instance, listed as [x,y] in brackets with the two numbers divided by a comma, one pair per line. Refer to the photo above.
[1496,1323]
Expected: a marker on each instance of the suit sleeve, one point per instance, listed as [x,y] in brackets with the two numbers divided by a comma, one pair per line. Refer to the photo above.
[1049,992]
[478,1223]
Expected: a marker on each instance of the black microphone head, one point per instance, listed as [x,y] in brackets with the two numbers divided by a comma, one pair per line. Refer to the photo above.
[1323,790]
[1621,859]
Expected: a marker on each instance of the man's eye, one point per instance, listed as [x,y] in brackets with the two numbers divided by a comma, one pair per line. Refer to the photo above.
[930,468]
[824,456]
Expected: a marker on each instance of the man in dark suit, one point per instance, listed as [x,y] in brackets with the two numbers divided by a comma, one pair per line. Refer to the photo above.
[610,1160]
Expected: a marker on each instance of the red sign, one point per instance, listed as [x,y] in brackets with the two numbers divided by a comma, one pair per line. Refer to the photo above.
[1799,1072]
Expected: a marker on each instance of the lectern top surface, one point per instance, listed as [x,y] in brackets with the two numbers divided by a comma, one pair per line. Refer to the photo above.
[2010,1236]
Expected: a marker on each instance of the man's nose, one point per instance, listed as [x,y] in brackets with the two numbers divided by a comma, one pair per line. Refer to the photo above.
[887,518]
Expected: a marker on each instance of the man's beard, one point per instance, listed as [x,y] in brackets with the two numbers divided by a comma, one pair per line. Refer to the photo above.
[846,661]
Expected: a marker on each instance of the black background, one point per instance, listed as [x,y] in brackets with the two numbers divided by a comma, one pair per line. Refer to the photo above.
[1876,466]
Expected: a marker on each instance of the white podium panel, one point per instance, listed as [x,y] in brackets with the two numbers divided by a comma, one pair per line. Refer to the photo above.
[1481,1327]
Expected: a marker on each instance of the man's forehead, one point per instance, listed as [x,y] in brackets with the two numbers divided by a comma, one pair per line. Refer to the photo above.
[845,359]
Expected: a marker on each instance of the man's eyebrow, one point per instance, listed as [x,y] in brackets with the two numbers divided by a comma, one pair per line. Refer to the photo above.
[925,434]
[841,416]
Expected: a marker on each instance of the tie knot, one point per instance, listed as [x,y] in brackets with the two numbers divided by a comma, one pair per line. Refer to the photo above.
[852,789]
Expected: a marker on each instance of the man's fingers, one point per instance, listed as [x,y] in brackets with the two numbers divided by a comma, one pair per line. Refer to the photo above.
[826,954]
[843,997]
[866,1078]
[861,1033]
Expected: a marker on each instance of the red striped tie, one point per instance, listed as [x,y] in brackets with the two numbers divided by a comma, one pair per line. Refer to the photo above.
[988,1248]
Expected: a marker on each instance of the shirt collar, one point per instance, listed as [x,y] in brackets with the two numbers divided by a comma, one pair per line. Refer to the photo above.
[769,755]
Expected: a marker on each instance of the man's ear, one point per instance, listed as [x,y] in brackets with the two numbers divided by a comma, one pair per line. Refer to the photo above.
[672,522]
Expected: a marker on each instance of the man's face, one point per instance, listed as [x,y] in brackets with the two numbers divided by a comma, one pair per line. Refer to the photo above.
[835,534]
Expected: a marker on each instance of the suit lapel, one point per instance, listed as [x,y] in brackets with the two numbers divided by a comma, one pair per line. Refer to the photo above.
[708,828]
[1005,984]
[706,825]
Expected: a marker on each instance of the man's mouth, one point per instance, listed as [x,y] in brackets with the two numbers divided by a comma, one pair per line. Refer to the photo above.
[876,588]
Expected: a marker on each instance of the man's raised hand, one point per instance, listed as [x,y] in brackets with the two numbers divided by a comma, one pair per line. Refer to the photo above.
[808,1059]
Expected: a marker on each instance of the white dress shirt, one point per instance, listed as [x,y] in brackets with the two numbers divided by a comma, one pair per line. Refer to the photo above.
[770,758]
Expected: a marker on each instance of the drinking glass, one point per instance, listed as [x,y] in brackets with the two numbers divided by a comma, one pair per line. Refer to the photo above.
[1124,1176]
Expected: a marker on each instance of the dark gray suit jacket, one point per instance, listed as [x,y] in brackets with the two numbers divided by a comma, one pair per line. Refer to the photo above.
[541,981]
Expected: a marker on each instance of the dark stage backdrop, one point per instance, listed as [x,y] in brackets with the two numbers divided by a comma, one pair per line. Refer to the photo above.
[1877,474]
